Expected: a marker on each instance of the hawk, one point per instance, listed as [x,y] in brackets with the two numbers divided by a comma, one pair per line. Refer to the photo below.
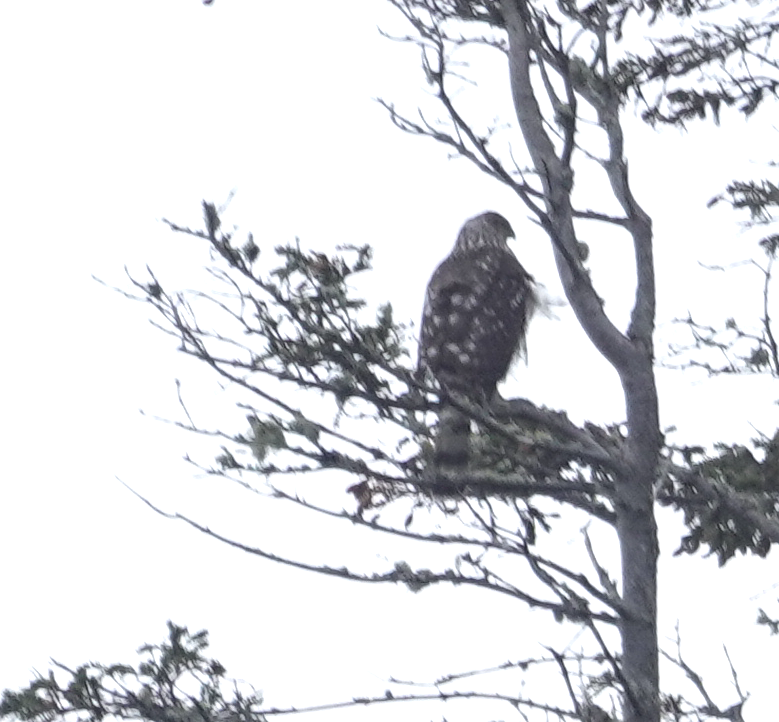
[478,304]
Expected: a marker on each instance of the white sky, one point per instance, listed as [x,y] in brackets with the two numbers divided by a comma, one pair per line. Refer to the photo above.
[116,115]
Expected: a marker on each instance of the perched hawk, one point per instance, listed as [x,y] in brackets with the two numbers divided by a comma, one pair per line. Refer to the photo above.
[477,308]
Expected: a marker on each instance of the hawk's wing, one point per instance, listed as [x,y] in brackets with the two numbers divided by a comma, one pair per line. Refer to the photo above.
[474,320]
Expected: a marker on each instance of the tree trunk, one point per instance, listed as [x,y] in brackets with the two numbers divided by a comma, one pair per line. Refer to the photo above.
[637,532]
[631,355]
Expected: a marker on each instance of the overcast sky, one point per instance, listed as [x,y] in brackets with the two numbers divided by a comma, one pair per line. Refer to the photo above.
[119,114]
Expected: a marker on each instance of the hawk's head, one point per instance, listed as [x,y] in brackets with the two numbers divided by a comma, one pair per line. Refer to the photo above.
[486,229]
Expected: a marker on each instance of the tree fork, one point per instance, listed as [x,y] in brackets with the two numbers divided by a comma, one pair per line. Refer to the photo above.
[631,356]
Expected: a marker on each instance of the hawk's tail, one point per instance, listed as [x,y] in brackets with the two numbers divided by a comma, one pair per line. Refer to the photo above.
[452,444]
